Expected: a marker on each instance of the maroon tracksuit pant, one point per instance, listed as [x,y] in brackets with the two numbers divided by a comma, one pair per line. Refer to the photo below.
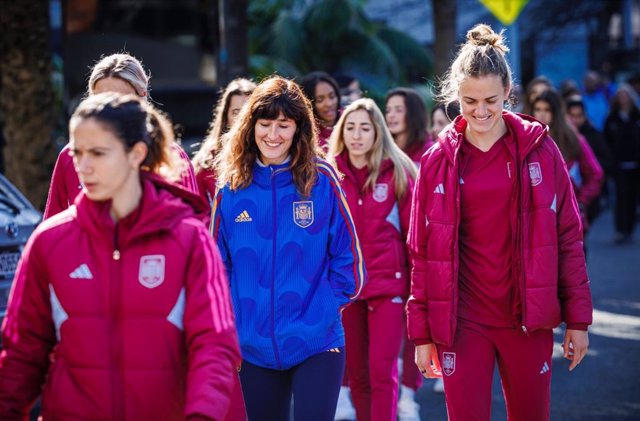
[373,335]
[524,363]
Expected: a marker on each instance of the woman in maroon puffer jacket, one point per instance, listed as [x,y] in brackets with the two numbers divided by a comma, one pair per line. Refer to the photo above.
[378,180]
[496,248]
[120,309]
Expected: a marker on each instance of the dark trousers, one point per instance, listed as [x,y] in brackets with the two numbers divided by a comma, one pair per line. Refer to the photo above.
[627,194]
[314,385]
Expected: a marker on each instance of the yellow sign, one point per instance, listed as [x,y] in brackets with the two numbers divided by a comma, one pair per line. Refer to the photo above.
[506,11]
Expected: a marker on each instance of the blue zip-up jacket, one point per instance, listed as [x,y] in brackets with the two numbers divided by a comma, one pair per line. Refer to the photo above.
[293,264]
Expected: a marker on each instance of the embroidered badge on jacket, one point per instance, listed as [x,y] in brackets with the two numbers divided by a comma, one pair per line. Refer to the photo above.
[303,213]
[535,173]
[151,273]
[380,192]
[448,363]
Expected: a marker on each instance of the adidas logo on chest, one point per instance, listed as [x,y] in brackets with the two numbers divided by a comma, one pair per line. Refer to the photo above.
[81,272]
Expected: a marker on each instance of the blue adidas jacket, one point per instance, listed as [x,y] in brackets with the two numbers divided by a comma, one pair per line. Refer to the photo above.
[293,264]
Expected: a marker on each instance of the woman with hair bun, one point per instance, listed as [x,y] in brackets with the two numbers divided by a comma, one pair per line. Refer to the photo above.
[496,246]
[136,322]
[121,73]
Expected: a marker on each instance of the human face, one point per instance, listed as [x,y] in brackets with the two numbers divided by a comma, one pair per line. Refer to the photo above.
[105,169]
[326,103]
[396,115]
[113,84]
[542,112]
[359,135]
[576,115]
[481,100]
[235,104]
[439,122]
[274,138]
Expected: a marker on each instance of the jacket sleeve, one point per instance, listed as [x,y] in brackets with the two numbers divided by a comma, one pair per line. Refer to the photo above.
[405,207]
[58,197]
[573,283]
[346,264]
[217,230]
[591,173]
[210,333]
[417,307]
[28,336]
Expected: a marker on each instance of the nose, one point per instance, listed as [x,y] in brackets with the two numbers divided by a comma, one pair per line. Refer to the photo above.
[272,134]
[482,109]
[83,165]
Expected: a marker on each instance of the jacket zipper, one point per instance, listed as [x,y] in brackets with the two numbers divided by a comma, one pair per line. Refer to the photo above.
[117,383]
[520,251]
[273,268]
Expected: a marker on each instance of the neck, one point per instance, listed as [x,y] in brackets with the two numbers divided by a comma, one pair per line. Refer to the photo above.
[127,199]
[484,141]
[359,161]
[401,140]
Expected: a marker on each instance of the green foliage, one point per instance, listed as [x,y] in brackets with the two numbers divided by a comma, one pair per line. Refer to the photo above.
[293,37]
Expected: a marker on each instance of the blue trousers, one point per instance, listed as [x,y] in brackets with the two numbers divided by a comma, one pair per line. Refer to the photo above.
[314,385]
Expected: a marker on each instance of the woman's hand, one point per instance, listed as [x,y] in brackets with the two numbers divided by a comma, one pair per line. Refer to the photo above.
[427,361]
[576,343]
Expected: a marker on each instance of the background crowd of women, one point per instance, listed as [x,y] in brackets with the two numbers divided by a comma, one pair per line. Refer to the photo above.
[331,218]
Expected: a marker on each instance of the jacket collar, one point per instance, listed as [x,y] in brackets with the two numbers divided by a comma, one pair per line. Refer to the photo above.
[527,132]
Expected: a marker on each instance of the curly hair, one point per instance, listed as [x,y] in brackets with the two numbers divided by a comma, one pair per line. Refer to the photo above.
[271,98]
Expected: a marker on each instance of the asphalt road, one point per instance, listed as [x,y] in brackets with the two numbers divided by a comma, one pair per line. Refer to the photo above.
[606,386]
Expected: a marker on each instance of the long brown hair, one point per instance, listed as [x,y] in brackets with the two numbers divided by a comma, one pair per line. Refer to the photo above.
[212,145]
[383,147]
[415,114]
[564,136]
[272,97]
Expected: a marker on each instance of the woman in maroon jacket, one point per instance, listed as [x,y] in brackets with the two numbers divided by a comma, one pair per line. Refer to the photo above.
[496,248]
[231,101]
[406,117]
[120,73]
[120,308]
[378,180]
[584,169]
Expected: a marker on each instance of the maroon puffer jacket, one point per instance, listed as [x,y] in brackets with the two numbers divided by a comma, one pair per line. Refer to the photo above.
[381,224]
[127,321]
[548,254]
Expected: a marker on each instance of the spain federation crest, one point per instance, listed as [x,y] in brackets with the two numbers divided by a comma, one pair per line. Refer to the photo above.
[151,273]
[380,192]
[303,213]
[448,363]
[535,173]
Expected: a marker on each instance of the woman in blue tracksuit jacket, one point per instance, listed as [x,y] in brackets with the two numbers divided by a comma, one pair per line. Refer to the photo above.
[293,258]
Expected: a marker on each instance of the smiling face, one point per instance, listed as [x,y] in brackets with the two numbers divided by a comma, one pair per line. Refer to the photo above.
[481,105]
[105,169]
[326,103]
[274,138]
[359,135]
[396,115]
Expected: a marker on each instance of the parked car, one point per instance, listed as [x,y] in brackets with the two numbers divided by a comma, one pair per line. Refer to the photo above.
[18,219]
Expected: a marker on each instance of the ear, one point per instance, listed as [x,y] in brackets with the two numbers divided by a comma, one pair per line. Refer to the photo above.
[138,154]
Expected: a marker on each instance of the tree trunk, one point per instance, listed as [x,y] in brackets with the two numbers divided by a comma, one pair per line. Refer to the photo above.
[27,103]
[444,18]
[233,56]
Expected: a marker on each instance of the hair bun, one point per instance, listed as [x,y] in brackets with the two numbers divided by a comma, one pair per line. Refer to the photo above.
[482,35]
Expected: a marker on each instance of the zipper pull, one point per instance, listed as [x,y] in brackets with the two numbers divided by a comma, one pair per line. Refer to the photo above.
[360,202]
[116,255]
[524,329]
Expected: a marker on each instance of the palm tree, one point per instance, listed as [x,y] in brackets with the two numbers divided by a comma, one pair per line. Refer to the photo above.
[27,100]
[293,37]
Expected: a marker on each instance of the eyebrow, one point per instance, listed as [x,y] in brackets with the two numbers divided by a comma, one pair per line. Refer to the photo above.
[474,99]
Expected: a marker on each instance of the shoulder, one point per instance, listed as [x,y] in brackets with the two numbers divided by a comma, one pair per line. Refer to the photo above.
[56,228]
[327,172]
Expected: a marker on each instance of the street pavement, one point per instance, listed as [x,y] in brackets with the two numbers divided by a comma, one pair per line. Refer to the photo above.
[606,386]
